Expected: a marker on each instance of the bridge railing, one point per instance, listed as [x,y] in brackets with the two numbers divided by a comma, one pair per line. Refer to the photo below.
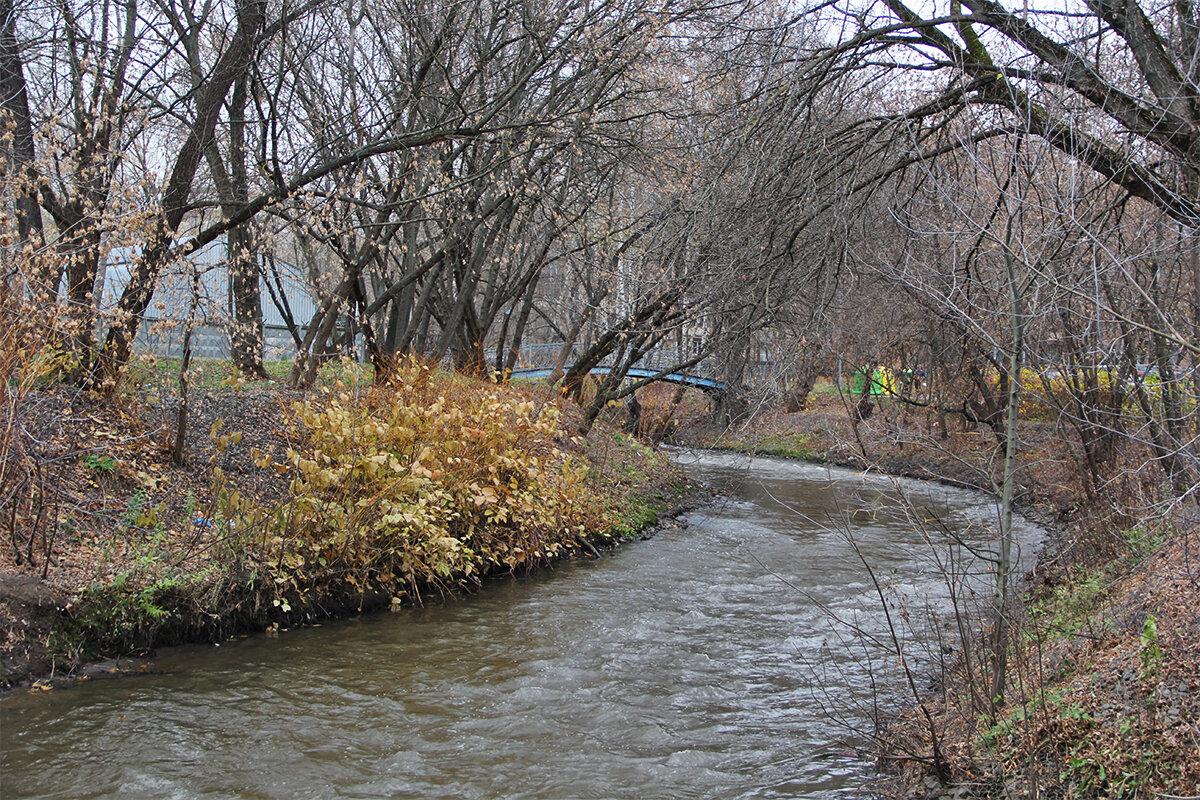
[545,356]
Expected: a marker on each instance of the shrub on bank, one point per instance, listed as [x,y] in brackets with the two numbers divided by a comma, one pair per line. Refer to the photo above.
[356,497]
[424,481]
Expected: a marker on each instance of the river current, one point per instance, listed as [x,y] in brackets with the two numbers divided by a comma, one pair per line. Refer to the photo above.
[742,656]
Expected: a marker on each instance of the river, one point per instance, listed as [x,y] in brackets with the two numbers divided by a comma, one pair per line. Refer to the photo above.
[715,660]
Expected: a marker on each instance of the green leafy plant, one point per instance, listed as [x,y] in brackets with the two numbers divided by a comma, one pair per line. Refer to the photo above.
[1142,541]
[99,463]
[1071,607]
[120,615]
[1151,654]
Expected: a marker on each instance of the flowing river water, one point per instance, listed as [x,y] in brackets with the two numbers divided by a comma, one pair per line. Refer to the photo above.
[727,659]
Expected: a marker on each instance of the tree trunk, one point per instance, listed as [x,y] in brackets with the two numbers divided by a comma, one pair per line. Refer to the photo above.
[1016,360]
[158,253]
[178,448]
[807,372]
[246,339]
[16,112]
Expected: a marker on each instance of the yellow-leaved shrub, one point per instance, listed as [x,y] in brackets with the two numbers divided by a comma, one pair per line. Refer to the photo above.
[1047,392]
[424,481]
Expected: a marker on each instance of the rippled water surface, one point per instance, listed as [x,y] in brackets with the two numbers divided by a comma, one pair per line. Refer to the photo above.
[706,662]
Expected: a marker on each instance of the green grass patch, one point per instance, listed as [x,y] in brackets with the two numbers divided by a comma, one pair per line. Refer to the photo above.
[633,516]
[796,446]
[825,386]
[1069,608]
[159,373]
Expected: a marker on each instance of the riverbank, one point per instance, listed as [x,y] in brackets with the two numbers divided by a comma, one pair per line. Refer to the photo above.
[1104,694]
[293,508]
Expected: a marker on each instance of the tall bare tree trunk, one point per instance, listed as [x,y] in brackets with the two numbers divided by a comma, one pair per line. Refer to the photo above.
[246,336]
[234,62]
[16,112]
[1018,324]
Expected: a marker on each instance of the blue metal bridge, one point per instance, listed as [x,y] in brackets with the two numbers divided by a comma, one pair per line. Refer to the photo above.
[537,361]
[694,381]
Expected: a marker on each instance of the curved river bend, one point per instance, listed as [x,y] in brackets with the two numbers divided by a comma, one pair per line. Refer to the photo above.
[714,661]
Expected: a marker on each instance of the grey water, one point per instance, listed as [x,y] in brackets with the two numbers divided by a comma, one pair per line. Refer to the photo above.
[745,655]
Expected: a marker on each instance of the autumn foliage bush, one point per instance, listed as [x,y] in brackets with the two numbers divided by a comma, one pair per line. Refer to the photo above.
[427,480]
[1048,391]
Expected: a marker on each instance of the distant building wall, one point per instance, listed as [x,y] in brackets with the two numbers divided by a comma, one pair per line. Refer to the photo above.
[163,326]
